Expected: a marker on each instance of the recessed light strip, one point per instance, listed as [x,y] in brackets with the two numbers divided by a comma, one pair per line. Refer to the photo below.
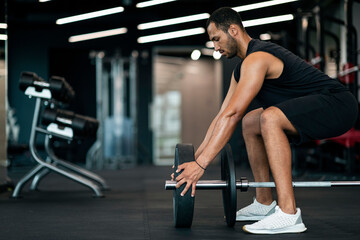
[173,21]
[171,35]
[3,26]
[195,31]
[152,3]
[201,16]
[268,20]
[261,5]
[90,15]
[3,37]
[95,35]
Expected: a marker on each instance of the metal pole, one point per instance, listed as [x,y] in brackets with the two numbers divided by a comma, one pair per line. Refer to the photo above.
[95,157]
[133,101]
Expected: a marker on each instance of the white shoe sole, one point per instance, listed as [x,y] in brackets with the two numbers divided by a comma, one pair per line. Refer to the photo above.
[252,218]
[298,228]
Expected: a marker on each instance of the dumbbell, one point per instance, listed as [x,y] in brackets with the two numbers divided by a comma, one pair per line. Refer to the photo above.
[59,88]
[183,206]
[82,125]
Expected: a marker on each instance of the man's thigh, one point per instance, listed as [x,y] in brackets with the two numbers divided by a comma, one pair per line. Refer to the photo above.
[319,116]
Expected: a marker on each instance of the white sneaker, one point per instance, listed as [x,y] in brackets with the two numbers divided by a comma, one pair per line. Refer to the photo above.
[255,211]
[279,222]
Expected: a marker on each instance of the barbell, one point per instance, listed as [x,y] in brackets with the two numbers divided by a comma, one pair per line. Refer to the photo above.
[183,206]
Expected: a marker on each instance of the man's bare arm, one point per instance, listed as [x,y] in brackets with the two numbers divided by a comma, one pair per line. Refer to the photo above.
[253,73]
[229,94]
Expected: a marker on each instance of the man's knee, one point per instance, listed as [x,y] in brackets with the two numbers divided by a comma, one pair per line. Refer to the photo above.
[246,122]
[273,118]
[270,118]
[250,122]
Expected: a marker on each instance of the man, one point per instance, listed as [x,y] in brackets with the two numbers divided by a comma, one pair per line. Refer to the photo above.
[299,103]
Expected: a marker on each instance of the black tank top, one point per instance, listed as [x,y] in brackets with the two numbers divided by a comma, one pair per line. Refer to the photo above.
[297,79]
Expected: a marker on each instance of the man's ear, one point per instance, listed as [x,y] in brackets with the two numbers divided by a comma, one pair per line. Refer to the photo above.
[233,30]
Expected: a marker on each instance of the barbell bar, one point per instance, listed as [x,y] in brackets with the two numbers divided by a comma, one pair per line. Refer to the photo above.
[243,184]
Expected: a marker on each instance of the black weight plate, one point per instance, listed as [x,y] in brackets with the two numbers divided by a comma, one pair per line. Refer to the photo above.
[228,193]
[183,206]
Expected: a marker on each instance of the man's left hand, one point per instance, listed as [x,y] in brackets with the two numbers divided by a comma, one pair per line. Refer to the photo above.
[191,175]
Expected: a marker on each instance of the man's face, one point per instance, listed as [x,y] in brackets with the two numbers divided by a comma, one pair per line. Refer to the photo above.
[223,42]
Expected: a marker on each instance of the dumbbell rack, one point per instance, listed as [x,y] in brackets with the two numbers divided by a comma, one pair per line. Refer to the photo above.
[57,161]
[78,174]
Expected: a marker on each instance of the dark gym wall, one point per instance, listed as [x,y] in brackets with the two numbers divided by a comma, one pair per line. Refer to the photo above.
[27,52]
[77,68]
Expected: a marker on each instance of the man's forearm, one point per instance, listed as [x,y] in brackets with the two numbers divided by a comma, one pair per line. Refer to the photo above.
[222,131]
[207,137]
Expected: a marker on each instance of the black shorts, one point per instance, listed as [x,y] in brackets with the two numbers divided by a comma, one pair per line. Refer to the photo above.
[320,116]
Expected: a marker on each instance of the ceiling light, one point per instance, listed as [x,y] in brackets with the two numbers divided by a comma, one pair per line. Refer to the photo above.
[171,35]
[89,36]
[265,36]
[173,21]
[152,3]
[209,44]
[44,0]
[3,37]
[216,55]
[268,20]
[261,5]
[195,55]
[3,26]
[89,15]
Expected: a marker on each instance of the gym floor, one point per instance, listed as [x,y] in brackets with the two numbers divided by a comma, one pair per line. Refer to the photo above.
[138,207]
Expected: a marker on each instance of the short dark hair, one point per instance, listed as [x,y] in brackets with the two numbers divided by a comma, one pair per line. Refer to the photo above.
[224,17]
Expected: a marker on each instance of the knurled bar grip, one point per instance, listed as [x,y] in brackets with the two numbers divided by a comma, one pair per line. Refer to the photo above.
[219,184]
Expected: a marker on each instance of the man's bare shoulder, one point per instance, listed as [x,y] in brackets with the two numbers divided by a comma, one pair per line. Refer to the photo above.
[273,65]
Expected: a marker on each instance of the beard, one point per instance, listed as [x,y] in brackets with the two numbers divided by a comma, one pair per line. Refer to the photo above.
[232,47]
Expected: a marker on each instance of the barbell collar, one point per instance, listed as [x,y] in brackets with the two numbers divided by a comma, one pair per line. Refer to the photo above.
[242,184]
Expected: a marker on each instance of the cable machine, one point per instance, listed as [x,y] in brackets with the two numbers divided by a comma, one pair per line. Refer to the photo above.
[116,110]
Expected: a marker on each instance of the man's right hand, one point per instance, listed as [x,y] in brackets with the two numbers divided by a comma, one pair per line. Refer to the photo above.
[172,175]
